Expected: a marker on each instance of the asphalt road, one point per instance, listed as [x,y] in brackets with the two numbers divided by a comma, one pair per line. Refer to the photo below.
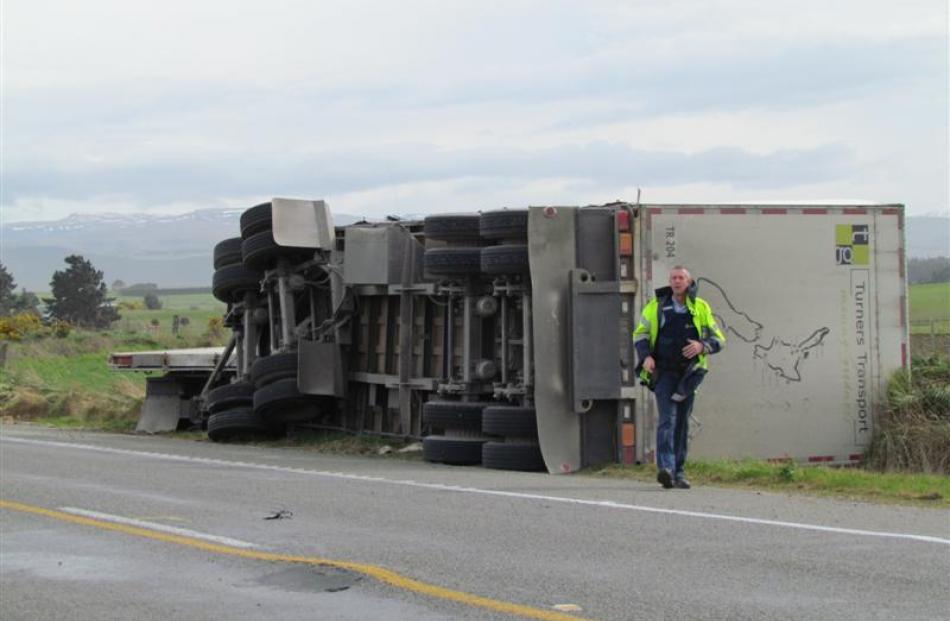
[615,550]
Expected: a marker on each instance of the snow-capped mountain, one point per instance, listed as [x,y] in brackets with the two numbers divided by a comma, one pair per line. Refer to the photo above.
[169,250]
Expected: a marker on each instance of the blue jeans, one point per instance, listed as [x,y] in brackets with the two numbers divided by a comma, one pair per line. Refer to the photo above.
[672,431]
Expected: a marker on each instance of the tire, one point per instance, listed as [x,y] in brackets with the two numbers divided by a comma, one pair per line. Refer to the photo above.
[454,415]
[237,423]
[455,451]
[269,369]
[231,280]
[504,224]
[256,219]
[227,252]
[260,251]
[523,456]
[229,396]
[453,227]
[281,402]
[465,261]
[510,421]
[505,259]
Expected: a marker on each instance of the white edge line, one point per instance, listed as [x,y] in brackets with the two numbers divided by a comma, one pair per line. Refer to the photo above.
[488,492]
[118,519]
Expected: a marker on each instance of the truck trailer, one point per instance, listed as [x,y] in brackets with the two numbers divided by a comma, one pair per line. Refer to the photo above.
[504,338]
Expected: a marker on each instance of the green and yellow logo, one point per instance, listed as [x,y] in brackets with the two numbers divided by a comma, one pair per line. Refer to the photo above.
[852,244]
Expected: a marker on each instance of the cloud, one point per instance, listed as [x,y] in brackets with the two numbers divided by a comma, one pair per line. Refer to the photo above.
[157,106]
[349,170]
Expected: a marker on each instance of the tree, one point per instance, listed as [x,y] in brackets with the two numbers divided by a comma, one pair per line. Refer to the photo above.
[117,285]
[26,302]
[152,302]
[932,269]
[12,303]
[7,287]
[79,295]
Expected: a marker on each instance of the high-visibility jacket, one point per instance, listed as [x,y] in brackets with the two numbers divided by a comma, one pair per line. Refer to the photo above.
[651,321]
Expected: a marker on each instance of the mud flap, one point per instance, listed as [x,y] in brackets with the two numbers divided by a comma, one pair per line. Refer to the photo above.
[320,369]
[552,256]
[163,406]
[301,223]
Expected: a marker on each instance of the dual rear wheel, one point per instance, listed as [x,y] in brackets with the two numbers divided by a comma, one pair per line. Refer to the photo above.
[495,436]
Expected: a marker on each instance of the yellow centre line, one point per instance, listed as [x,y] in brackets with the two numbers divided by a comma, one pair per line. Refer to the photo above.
[383,575]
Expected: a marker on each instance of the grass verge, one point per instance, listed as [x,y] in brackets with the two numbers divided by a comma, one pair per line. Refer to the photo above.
[65,382]
[913,431]
[853,483]
[339,443]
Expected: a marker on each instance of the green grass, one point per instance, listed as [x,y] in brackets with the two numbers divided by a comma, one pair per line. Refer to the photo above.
[179,303]
[855,483]
[930,301]
[912,432]
[71,390]
[114,425]
[60,373]
[66,382]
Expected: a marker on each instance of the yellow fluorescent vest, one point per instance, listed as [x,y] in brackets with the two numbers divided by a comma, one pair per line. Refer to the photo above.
[699,309]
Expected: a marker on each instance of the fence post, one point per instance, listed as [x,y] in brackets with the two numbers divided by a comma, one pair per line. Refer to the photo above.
[933,335]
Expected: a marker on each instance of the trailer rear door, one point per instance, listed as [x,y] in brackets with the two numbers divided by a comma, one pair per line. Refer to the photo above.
[812,300]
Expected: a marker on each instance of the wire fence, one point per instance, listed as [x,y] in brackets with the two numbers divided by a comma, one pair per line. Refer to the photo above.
[930,326]
[930,336]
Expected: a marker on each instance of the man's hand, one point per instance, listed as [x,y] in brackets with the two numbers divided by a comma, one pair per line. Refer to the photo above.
[649,364]
[693,349]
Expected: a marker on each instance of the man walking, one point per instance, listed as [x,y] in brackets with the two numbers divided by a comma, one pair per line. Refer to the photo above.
[676,334]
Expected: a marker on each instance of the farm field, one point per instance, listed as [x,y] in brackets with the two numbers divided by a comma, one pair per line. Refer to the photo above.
[198,308]
[930,302]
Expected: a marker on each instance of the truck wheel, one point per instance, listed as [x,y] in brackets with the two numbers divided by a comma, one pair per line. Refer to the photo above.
[455,451]
[512,456]
[229,396]
[504,224]
[452,227]
[505,259]
[227,252]
[260,251]
[269,369]
[255,220]
[455,415]
[464,261]
[231,280]
[237,423]
[281,402]
[510,421]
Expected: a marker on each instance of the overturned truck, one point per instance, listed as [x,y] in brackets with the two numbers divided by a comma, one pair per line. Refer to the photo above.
[504,338]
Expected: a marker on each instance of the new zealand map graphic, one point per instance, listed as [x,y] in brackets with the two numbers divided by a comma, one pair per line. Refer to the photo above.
[781,355]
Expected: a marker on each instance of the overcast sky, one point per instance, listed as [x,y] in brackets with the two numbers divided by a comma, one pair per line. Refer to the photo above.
[412,107]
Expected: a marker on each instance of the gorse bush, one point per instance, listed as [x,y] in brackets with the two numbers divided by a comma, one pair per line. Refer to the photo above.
[913,432]
[29,325]
[17,327]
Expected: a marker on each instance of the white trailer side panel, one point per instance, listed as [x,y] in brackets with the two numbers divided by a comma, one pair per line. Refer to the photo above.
[812,300]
